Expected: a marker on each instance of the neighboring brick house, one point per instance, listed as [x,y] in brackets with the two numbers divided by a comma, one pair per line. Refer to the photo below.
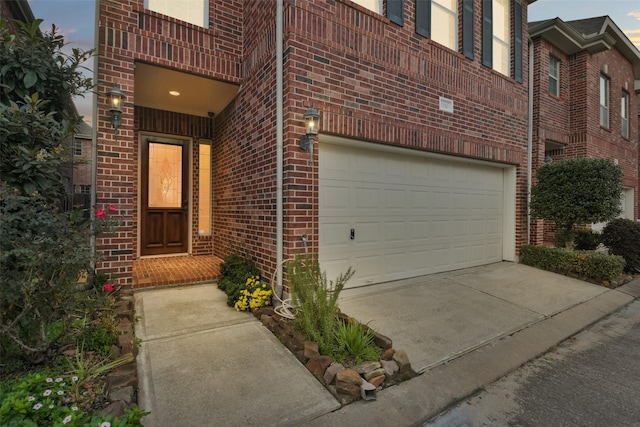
[420,164]
[15,10]
[586,81]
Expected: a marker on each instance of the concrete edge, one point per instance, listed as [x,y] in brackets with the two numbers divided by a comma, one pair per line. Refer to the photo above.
[416,401]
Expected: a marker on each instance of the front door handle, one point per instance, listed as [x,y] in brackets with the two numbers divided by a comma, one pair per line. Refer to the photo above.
[185,206]
[353,234]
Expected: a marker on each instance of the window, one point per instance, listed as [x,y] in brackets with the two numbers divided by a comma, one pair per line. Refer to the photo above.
[444,23]
[604,101]
[204,189]
[624,113]
[193,11]
[501,36]
[85,189]
[374,5]
[497,30]
[554,76]
[77,147]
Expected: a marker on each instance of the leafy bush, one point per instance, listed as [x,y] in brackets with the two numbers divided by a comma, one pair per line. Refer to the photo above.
[577,191]
[315,300]
[353,340]
[587,240]
[234,272]
[590,265]
[622,237]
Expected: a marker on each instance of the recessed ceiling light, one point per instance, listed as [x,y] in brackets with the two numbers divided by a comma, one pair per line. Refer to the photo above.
[174,93]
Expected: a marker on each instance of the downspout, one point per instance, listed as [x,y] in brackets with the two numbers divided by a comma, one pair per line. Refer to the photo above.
[94,140]
[279,144]
[530,142]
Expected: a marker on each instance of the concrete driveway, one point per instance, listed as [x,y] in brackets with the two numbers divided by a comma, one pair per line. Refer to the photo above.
[201,363]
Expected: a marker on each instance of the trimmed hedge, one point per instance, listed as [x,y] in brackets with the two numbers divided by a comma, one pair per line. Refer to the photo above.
[234,272]
[622,237]
[595,266]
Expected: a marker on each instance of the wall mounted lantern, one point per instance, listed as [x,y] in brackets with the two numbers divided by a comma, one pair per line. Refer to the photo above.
[116,97]
[311,122]
[548,159]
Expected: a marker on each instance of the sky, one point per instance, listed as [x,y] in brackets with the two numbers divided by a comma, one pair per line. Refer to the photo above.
[76,21]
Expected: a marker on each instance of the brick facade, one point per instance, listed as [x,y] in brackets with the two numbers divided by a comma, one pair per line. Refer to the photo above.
[370,78]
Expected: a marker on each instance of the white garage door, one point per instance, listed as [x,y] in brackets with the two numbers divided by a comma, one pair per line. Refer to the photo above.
[393,215]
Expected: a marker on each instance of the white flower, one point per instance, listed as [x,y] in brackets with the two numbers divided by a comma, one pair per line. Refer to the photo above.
[46,393]
[66,419]
[74,378]
[37,406]
[49,380]
[58,380]
[60,392]
[31,398]
[74,408]
[105,424]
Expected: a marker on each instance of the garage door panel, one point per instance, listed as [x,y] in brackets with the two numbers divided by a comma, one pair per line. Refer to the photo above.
[411,215]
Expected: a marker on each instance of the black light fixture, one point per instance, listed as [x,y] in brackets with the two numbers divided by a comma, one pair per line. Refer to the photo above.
[548,159]
[311,122]
[116,97]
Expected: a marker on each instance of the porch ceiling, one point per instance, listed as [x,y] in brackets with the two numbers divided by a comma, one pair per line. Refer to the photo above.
[199,96]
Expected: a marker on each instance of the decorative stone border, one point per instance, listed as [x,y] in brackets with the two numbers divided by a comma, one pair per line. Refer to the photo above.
[347,383]
[122,382]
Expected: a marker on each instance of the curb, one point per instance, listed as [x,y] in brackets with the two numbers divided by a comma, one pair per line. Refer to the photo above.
[417,401]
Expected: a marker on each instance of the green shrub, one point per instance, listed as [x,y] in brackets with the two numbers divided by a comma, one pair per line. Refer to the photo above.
[622,237]
[587,240]
[354,341]
[586,264]
[315,300]
[234,272]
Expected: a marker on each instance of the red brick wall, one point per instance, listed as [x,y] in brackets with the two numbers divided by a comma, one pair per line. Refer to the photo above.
[376,81]
[129,33]
[370,79]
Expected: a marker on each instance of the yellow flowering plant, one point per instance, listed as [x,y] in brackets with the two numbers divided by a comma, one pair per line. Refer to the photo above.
[254,294]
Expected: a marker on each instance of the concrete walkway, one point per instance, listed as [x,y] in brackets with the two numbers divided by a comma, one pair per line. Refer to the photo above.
[203,364]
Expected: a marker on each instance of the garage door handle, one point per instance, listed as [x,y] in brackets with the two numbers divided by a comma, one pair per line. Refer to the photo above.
[353,234]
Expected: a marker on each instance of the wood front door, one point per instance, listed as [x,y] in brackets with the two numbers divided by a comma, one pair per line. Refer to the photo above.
[164,196]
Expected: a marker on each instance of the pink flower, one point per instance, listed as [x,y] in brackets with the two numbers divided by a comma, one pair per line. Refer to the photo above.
[100,213]
[46,393]
[108,287]
[113,209]
[37,406]
[66,419]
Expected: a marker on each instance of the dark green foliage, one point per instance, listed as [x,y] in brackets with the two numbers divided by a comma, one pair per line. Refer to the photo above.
[595,266]
[354,341]
[577,191]
[42,252]
[316,300]
[587,240]
[622,237]
[37,81]
[234,272]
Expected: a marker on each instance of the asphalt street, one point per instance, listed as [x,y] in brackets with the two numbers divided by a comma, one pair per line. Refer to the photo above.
[591,379]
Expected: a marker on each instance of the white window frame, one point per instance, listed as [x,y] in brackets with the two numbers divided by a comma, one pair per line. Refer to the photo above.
[624,113]
[77,147]
[604,101]
[554,75]
[373,5]
[500,44]
[438,12]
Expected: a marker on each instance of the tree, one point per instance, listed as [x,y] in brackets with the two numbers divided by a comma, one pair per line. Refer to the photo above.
[577,191]
[42,250]
[37,83]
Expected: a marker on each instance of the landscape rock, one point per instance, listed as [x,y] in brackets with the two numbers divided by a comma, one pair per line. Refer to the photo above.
[349,376]
[388,354]
[123,393]
[331,372]
[349,389]
[366,367]
[311,350]
[390,367]
[115,408]
[402,359]
[375,373]
[377,381]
